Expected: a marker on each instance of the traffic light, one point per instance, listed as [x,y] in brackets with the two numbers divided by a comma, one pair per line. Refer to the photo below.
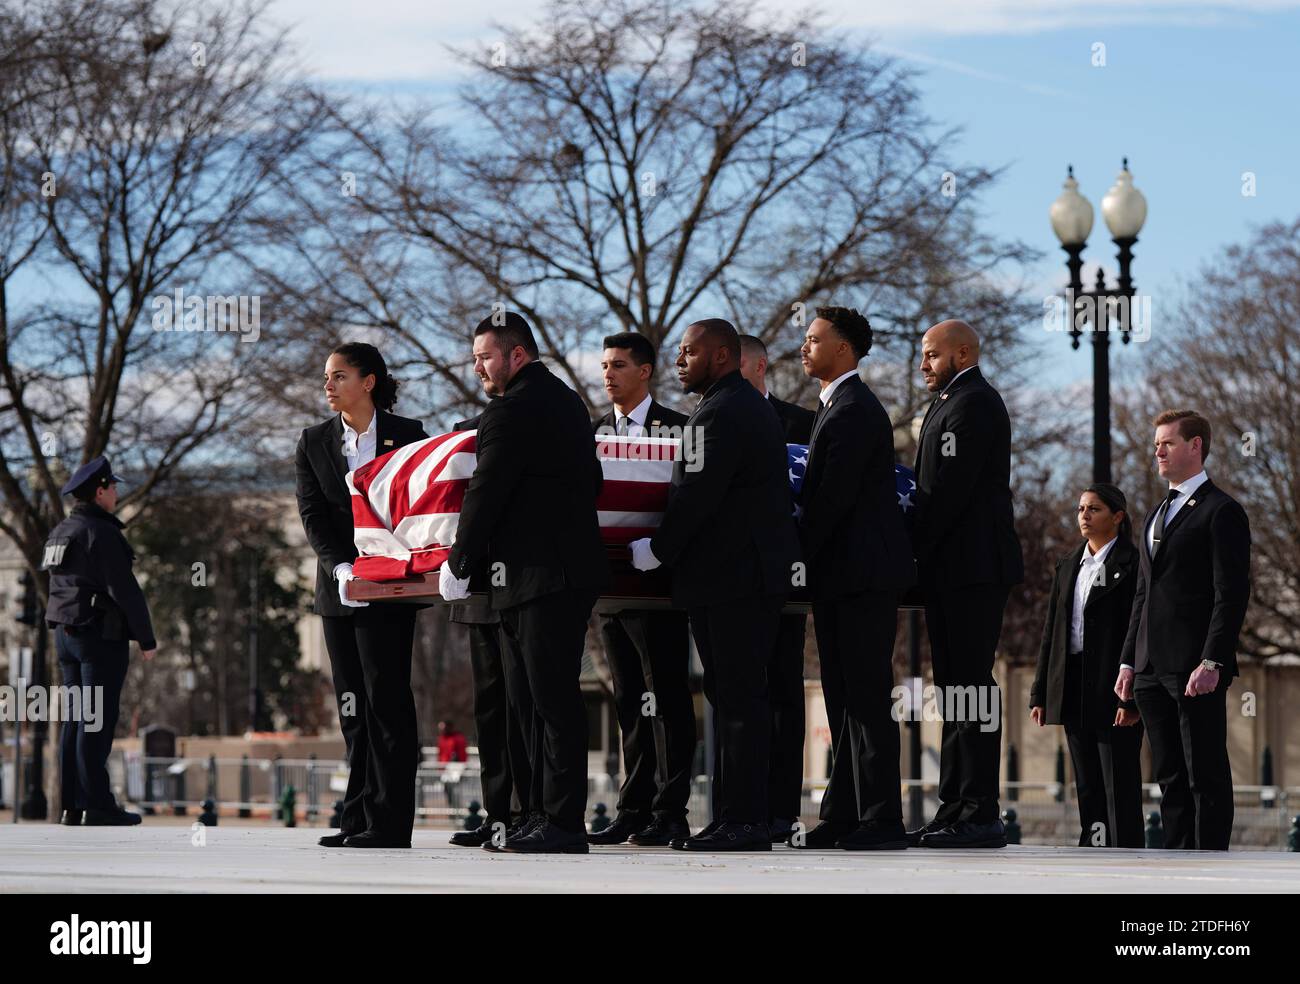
[27,612]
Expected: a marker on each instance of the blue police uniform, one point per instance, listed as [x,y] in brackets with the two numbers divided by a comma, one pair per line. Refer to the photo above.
[96,607]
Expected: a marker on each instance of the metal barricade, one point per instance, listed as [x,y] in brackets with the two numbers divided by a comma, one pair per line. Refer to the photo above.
[1047,812]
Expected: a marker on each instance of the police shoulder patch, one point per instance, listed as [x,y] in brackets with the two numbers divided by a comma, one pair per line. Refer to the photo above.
[55,547]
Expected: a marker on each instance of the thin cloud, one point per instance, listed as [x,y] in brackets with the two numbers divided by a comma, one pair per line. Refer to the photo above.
[928,18]
[405,39]
[978,73]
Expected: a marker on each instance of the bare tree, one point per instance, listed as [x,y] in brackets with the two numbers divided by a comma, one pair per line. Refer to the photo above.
[137,136]
[632,166]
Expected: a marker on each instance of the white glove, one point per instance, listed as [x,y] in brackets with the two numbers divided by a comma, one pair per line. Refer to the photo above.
[643,558]
[343,574]
[451,587]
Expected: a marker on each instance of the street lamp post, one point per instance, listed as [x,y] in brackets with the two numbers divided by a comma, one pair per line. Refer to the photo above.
[1124,208]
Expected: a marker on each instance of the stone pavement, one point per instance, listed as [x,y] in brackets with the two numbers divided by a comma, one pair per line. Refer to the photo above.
[166,858]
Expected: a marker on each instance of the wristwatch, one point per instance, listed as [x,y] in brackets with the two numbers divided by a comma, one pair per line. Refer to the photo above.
[1210,664]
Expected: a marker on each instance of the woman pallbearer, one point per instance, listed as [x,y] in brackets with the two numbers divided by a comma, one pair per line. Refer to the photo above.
[369,645]
[1087,618]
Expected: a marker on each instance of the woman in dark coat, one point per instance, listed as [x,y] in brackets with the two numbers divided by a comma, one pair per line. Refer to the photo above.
[1083,636]
[369,645]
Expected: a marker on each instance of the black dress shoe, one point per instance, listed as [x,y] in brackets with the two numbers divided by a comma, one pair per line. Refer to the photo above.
[662,832]
[822,837]
[677,842]
[872,836]
[523,828]
[333,840]
[780,829]
[373,838]
[71,818]
[933,827]
[477,837]
[730,836]
[623,827]
[109,818]
[549,839]
[964,833]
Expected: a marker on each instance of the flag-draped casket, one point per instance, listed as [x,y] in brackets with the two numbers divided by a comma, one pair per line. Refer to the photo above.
[405,504]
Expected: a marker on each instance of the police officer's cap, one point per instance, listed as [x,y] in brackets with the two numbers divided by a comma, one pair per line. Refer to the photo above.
[95,472]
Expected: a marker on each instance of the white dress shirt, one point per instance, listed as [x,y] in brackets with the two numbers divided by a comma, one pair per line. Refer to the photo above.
[1092,570]
[635,419]
[1185,490]
[829,391]
[359,449]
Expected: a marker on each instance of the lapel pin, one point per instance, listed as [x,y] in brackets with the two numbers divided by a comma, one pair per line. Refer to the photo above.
[943,396]
[388,442]
[1190,503]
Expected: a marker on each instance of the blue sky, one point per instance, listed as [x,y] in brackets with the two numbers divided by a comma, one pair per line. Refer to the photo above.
[1192,106]
[1194,93]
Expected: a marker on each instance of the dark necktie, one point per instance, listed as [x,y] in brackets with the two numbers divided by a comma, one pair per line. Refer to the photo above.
[817,420]
[1158,527]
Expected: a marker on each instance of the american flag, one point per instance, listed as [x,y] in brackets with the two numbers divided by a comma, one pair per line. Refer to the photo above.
[405,504]
[904,481]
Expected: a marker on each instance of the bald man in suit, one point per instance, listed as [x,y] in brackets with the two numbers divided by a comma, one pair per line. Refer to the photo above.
[968,557]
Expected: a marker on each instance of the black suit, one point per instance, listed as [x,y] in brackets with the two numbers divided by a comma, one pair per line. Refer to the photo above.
[795,420]
[730,541]
[785,670]
[859,559]
[505,723]
[369,648]
[1190,604]
[649,653]
[785,692]
[504,720]
[1077,690]
[727,533]
[968,556]
[531,507]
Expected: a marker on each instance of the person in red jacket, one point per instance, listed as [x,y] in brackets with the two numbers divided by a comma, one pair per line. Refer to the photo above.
[451,743]
[451,748]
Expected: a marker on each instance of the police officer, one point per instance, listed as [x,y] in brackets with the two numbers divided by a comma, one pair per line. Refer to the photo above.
[96,607]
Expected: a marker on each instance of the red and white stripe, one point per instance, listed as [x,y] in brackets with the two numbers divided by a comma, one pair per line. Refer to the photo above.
[405,505]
